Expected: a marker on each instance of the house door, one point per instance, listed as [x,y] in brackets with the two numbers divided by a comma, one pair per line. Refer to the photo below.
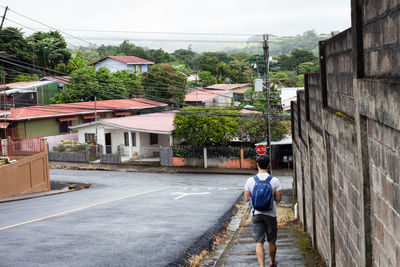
[108,143]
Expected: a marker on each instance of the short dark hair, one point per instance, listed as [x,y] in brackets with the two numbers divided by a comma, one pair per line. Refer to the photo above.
[263,161]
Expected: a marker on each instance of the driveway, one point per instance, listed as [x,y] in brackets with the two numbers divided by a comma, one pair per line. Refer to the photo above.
[127,219]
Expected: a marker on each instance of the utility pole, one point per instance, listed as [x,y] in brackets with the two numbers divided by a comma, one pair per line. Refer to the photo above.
[95,121]
[4,16]
[3,54]
[267,96]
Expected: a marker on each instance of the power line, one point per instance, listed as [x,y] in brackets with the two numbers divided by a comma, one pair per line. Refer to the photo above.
[47,26]
[60,31]
[151,97]
[167,33]
[167,40]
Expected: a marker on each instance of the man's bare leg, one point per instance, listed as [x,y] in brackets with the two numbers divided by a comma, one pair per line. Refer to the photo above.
[260,254]
[272,252]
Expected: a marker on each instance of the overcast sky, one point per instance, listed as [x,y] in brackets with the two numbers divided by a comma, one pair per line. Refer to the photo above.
[279,17]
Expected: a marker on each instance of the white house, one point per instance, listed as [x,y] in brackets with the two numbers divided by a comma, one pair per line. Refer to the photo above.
[116,63]
[287,95]
[139,136]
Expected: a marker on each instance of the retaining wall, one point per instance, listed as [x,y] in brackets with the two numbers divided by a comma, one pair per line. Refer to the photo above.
[346,141]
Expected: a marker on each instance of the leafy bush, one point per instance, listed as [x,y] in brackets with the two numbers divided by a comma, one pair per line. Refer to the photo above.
[59,148]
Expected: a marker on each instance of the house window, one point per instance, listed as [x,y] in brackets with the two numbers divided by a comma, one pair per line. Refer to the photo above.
[153,139]
[126,139]
[90,137]
[63,126]
[87,120]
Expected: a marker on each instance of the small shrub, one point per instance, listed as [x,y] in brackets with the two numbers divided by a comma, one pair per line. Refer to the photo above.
[59,148]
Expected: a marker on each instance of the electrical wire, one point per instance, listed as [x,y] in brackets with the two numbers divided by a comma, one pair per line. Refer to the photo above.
[46,26]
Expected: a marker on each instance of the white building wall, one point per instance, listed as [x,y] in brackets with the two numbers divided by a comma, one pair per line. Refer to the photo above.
[111,64]
[163,140]
[142,148]
[220,100]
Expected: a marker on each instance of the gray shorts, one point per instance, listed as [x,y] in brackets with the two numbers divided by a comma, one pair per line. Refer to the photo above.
[264,224]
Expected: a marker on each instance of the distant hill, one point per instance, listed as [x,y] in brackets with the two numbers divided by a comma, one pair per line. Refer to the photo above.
[283,45]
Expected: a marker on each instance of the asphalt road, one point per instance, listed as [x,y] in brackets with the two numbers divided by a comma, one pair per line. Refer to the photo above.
[127,219]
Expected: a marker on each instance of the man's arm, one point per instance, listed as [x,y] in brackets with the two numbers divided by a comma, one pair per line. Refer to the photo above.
[247,195]
[278,196]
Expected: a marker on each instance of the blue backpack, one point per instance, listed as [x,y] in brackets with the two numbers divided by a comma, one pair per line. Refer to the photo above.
[262,198]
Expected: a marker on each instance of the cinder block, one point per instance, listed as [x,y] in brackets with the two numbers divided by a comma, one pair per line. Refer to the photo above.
[396,55]
[388,190]
[386,62]
[390,248]
[373,63]
[390,29]
[396,198]
[377,230]
[397,255]
[376,181]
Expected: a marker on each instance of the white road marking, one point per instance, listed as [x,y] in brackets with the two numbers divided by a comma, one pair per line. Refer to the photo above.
[187,194]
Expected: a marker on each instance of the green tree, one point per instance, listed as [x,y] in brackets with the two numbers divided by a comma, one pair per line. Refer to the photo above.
[164,81]
[50,48]
[185,56]
[206,78]
[296,57]
[241,56]
[87,82]
[240,72]
[25,78]
[205,127]
[13,43]
[254,129]
[307,67]
[208,63]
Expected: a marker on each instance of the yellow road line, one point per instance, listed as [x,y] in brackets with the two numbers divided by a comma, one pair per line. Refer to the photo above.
[82,208]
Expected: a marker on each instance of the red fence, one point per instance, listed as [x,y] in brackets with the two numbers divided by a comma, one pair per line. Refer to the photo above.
[24,147]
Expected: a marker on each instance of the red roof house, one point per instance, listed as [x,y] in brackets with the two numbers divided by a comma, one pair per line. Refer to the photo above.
[116,63]
[56,119]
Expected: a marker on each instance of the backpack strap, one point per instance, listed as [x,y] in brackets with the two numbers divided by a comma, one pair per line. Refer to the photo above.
[256,179]
[269,178]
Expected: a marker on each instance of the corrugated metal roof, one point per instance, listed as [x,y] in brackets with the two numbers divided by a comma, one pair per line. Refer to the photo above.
[228,86]
[203,95]
[160,122]
[22,85]
[127,60]
[57,110]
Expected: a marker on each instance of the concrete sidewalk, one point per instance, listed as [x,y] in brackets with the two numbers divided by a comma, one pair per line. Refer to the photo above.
[240,249]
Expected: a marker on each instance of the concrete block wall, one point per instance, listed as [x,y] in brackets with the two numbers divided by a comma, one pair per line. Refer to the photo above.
[381,36]
[314,93]
[384,169]
[346,141]
[321,192]
[339,73]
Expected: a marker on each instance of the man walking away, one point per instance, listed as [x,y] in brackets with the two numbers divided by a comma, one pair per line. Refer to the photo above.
[263,209]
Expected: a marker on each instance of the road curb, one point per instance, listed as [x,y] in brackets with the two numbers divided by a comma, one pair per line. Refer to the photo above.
[69,188]
[34,195]
[221,251]
[206,241]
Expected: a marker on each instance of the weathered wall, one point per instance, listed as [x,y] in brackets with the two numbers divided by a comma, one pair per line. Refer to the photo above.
[346,141]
